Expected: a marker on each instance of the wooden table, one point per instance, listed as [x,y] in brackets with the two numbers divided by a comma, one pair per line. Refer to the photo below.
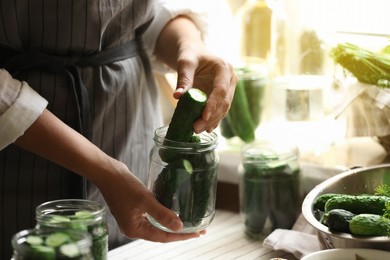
[224,240]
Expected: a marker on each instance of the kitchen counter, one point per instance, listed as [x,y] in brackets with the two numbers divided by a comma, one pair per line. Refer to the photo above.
[225,239]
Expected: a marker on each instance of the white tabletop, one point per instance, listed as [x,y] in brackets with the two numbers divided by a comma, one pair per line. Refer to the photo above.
[225,240]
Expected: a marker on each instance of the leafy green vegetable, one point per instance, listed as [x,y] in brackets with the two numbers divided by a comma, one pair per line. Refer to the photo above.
[382,190]
[367,66]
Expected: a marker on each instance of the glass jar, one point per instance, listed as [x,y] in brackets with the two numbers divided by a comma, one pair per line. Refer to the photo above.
[53,244]
[253,78]
[269,187]
[183,178]
[255,18]
[84,215]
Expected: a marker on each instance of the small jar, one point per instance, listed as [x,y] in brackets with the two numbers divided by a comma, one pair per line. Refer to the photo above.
[51,244]
[269,187]
[183,178]
[83,215]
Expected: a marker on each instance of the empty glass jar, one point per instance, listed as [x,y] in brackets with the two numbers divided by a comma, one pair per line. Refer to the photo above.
[183,178]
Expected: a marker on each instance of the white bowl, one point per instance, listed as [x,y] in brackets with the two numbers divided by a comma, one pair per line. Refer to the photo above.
[348,254]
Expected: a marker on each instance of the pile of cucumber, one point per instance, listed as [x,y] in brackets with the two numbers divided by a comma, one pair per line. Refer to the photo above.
[82,220]
[56,245]
[358,215]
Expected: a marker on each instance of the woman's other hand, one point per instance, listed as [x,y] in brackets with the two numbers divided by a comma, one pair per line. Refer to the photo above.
[180,45]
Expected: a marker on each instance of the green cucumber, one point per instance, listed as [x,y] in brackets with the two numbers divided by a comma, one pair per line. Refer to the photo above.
[369,225]
[226,130]
[57,245]
[337,220]
[195,194]
[187,176]
[42,252]
[170,180]
[189,108]
[319,202]
[201,183]
[56,219]
[33,240]
[195,139]
[239,117]
[83,214]
[358,204]
[255,91]
[70,250]
[181,128]
[284,196]
[57,239]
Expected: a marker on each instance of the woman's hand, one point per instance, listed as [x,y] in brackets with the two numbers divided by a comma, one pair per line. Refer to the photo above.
[126,196]
[197,67]
[129,201]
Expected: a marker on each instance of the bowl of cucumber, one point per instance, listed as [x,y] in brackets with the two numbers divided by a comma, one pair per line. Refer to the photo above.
[352,209]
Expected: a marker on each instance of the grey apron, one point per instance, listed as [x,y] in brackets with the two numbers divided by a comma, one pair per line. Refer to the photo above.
[91,95]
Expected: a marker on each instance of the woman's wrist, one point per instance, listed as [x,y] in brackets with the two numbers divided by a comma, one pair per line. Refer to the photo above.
[179,35]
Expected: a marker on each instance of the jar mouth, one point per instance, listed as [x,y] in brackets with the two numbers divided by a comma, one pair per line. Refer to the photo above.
[267,152]
[68,208]
[208,141]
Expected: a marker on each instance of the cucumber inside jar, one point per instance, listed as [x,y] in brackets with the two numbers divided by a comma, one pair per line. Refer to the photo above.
[83,221]
[247,106]
[53,244]
[80,215]
[269,188]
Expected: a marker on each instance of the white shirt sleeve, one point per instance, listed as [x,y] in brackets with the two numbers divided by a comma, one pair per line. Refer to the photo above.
[20,106]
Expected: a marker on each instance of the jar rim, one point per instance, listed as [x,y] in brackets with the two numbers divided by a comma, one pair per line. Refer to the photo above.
[265,151]
[44,210]
[208,141]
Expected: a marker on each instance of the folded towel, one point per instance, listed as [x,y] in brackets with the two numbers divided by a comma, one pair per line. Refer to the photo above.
[295,242]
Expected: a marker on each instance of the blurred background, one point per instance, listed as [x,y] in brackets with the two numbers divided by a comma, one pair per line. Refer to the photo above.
[295,91]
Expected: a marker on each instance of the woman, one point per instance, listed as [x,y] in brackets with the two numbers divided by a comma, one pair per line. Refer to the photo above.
[78,106]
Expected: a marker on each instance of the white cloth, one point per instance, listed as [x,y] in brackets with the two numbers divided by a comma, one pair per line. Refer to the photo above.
[301,240]
[295,242]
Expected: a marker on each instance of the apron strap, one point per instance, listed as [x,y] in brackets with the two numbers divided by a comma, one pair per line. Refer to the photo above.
[15,62]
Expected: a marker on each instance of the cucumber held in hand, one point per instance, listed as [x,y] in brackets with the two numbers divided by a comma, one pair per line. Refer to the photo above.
[181,128]
[189,108]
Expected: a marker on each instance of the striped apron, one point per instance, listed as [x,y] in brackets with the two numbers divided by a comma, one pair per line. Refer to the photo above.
[114,104]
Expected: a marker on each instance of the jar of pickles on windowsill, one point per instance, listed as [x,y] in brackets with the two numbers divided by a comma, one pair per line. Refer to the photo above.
[269,187]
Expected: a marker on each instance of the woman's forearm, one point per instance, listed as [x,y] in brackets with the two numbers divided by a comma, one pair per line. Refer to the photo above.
[52,139]
[178,34]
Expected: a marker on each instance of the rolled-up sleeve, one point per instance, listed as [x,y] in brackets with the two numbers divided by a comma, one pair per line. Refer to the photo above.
[20,106]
